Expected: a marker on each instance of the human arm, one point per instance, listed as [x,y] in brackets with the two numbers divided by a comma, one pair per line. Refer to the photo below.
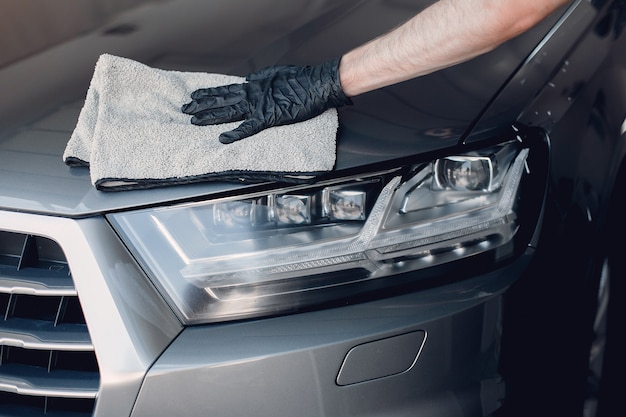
[444,34]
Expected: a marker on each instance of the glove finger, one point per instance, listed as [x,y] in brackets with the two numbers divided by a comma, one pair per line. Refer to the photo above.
[209,102]
[244,130]
[269,72]
[217,91]
[220,115]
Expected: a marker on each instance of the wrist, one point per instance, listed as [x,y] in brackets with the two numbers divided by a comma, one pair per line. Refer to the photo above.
[337,96]
[359,73]
[347,78]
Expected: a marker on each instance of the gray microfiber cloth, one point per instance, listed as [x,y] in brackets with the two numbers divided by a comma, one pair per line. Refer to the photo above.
[132,134]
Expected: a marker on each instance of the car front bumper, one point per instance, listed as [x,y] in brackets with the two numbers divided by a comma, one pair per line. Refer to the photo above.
[432,352]
[428,353]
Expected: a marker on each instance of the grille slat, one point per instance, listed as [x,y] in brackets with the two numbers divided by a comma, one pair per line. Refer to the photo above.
[34,285]
[47,361]
[42,335]
[36,381]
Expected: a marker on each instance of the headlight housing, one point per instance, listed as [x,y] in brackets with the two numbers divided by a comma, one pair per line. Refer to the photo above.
[272,252]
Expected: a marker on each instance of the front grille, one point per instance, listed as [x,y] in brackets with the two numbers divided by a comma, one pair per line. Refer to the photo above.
[47,361]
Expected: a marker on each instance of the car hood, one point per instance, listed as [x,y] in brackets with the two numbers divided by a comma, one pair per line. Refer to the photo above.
[235,37]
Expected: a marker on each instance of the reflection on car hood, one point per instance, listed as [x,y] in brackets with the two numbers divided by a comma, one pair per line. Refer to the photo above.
[421,115]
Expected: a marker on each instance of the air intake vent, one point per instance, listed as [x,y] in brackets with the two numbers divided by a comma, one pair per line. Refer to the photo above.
[47,362]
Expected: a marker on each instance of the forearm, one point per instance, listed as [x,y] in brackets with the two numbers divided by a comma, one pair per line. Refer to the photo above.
[445,34]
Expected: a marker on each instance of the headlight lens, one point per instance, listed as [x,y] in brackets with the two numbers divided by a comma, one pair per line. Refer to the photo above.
[271,252]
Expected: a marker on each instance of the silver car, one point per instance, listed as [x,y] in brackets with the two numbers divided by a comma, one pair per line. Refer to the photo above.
[462,258]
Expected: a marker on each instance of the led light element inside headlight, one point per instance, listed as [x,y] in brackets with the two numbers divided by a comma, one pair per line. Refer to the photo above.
[465,173]
[291,209]
[270,252]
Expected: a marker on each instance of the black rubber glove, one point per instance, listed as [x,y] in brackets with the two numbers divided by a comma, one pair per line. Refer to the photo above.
[274,96]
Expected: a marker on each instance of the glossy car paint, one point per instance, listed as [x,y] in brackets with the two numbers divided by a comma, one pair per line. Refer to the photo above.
[295,364]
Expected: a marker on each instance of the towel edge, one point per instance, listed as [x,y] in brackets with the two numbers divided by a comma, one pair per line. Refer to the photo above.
[242,177]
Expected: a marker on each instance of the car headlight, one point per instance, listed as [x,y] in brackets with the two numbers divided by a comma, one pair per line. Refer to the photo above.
[275,251]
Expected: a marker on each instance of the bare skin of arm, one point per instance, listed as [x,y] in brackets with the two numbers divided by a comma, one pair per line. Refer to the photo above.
[446,33]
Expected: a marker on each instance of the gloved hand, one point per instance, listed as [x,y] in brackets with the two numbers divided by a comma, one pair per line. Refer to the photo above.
[274,96]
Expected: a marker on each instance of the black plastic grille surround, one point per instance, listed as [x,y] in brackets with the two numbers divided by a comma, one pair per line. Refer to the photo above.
[47,362]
